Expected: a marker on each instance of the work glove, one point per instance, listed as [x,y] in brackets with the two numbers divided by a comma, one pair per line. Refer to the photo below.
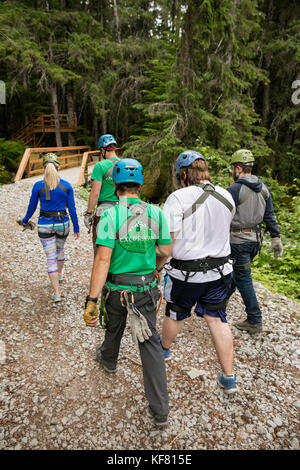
[90,312]
[27,225]
[139,328]
[88,219]
[276,247]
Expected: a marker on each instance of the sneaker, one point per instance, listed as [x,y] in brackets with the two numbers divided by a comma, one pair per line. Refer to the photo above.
[252,328]
[166,352]
[160,421]
[57,298]
[110,370]
[229,383]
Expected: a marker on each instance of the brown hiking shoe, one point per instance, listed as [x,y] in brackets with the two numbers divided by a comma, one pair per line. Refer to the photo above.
[250,327]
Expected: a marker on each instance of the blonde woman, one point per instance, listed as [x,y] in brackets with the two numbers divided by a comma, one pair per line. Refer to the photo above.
[55,195]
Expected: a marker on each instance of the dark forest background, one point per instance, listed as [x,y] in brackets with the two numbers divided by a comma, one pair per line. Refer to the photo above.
[162,77]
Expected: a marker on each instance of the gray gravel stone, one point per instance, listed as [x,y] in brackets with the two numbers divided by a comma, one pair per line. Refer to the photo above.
[55,396]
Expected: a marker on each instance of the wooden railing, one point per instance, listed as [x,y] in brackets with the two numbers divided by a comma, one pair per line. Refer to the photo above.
[88,159]
[72,156]
[42,124]
[46,123]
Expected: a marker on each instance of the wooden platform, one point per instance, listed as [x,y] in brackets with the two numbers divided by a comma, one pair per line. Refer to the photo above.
[41,124]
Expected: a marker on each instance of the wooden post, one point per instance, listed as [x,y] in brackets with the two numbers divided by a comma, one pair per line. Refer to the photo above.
[23,164]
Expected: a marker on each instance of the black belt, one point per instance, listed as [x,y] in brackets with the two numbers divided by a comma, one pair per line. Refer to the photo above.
[255,228]
[53,213]
[198,265]
[105,202]
[131,279]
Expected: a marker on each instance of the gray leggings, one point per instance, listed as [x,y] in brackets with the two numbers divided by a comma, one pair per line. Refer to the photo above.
[154,371]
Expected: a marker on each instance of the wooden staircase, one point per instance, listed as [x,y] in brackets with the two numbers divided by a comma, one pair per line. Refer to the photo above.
[40,124]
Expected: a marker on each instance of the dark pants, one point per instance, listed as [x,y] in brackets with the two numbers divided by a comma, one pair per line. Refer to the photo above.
[244,253]
[154,371]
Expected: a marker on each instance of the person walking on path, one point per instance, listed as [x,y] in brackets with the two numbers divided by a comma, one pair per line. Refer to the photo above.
[103,192]
[254,205]
[199,216]
[129,236]
[55,195]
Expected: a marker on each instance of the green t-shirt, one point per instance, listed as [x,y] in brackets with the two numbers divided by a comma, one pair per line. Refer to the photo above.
[107,192]
[134,250]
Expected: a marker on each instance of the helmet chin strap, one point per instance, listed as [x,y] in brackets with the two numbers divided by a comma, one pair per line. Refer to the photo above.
[186,177]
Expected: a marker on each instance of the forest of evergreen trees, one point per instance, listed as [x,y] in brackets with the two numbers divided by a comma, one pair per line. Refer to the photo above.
[164,76]
[161,76]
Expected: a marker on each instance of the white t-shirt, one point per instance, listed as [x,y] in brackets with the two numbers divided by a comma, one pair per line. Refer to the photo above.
[204,233]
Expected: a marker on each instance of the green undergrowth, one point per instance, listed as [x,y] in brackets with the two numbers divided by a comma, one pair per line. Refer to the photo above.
[84,193]
[281,275]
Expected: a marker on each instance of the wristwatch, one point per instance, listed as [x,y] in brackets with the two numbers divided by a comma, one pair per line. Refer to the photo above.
[91,299]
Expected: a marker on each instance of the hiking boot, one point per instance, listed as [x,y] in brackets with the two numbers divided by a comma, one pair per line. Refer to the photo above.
[166,352]
[252,328]
[160,421]
[109,369]
[228,382]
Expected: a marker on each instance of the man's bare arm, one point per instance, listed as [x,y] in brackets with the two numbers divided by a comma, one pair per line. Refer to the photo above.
[94,195]
[163,252]
[100,270]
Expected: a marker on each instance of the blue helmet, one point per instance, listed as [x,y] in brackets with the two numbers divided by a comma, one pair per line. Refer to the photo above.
[186,159]
[106,140]
[128,170]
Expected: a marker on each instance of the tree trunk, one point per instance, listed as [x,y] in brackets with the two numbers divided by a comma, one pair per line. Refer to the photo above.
[104,121]
[266,102]
[71,118]
[266,95]
[117,21]
[95,130]
[54,103]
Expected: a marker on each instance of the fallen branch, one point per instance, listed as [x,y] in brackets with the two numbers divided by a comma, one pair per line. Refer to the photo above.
[133,360]
[169,445]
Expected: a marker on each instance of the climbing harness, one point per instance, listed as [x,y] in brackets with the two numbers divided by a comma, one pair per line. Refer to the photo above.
[132,283]
[204,264]
[136,234]
[46,189]
[102,206]
[58,215]
[195,266]
[209,190]
[109,172]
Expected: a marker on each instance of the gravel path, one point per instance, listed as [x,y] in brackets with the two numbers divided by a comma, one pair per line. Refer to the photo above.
[53,395]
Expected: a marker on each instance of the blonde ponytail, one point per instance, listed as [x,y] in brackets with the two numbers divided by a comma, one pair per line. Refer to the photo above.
[51,176]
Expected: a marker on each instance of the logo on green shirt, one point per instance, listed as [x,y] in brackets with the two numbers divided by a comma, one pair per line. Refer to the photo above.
[138,239]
